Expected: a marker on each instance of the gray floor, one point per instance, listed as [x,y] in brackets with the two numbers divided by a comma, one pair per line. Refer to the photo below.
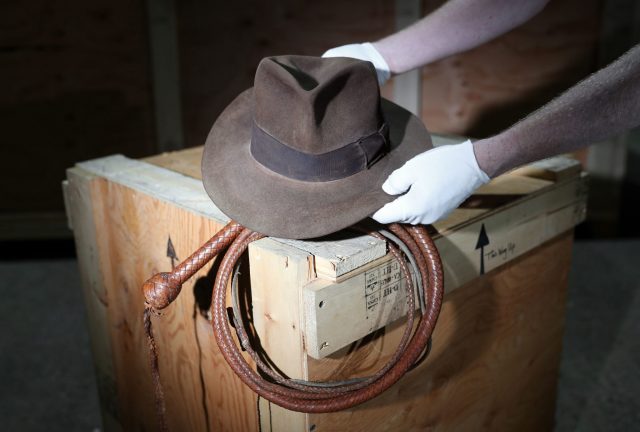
[46,374]
[46,379]
[600,377]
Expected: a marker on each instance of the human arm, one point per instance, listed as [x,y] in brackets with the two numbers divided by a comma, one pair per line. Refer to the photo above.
[601,106]
[457,26]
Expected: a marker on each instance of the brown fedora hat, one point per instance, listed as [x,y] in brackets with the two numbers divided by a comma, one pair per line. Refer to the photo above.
[305,151]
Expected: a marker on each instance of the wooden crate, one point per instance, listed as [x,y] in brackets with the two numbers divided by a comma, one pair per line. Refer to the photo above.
[496,347]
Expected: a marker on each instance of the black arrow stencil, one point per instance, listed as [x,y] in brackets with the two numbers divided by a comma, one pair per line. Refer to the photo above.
[171,253]
[483,240]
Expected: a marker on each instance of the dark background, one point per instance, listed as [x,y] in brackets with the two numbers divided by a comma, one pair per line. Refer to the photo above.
[81,80]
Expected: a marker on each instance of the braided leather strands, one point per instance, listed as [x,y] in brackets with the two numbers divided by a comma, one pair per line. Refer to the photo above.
[307,389]
[320,400]
[163,288]
[299,395]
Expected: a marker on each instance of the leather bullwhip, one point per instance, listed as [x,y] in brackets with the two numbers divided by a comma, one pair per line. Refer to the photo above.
[296,395]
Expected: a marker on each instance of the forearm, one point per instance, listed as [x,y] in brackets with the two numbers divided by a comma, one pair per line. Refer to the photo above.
[603,105]
[457,26]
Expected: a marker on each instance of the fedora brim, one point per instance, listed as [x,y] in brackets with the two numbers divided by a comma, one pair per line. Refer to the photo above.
[272,204]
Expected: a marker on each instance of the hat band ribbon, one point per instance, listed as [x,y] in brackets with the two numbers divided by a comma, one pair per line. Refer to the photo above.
[340,163]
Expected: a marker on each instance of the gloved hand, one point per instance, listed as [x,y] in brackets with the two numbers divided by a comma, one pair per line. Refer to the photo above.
[438,180]
[364,51]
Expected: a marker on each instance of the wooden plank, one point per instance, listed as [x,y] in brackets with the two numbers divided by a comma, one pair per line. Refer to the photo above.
[80,210]
[338,254]
[185,161]
[556,169]
[503,223]
[166,185]
[277,273]
[339,313]
[493,364]
[501,192]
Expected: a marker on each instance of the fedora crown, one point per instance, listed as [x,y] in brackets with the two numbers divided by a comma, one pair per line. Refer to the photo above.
[316,105]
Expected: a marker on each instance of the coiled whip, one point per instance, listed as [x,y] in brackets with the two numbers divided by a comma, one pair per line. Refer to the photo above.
[299,395]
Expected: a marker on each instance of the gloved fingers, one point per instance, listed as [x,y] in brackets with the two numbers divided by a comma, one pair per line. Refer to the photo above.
[399,181]
[395,211]
[435,182]
[351,50]
[387,214]
[364,51]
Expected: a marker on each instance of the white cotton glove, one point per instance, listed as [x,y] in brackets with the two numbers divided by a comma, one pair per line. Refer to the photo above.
[438,181]
[364,51]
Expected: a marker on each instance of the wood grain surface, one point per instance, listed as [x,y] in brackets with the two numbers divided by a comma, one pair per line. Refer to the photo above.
[493,364]
[79,189]
[277,272]
[202,393]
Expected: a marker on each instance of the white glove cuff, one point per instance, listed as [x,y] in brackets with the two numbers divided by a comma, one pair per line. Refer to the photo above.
[472,162]
[382,68]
